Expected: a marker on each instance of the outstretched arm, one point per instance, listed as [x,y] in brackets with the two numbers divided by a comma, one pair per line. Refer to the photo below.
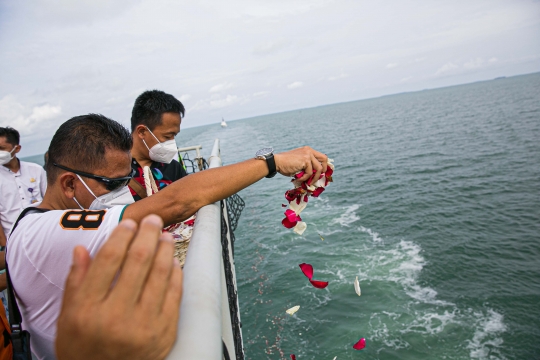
[186,196]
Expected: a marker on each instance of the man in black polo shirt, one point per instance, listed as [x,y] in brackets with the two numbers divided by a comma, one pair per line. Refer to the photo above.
[155,121]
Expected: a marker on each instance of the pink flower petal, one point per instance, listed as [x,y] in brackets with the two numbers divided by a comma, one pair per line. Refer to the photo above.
[292,216]
[307,269]
[319,284]
[288,224]
[361,344]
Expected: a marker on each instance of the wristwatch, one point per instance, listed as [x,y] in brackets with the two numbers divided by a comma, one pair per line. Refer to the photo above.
[268,155]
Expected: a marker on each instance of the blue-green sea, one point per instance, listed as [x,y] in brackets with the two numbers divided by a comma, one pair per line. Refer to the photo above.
[435,207]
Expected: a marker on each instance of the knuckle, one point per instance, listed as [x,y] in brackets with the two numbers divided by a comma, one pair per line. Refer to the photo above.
[110,254]
[141,255]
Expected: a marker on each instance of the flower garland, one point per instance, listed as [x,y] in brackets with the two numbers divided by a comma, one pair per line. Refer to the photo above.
[299,196]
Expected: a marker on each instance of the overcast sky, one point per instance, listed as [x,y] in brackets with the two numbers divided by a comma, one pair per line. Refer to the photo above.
[242,58]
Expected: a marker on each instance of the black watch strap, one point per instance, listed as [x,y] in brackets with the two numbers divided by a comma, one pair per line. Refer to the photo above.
[271,162]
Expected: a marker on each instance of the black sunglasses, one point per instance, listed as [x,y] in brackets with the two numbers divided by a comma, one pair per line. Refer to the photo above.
[110,184]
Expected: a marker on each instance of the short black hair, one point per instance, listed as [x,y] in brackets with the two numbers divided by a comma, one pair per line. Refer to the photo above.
[80,143]
[12,135]
[149,107]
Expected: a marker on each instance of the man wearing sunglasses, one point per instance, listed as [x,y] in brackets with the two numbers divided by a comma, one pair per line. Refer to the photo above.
[88,169]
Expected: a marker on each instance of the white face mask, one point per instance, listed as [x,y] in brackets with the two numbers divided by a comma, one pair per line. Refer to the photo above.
[163,152]
[5,156]
[121,196]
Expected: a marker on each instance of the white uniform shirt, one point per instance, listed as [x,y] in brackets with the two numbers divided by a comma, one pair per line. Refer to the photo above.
[39,256]
[20,190]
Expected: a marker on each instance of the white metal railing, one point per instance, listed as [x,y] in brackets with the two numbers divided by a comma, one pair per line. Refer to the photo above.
[198,157]
[204,313]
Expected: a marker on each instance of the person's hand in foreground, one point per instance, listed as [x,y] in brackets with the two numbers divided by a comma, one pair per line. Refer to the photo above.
[136,318]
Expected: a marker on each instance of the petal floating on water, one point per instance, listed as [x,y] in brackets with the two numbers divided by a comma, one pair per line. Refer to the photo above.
[361,344]
[319,284]
[293,357]
[357,287]
[322,239]
[292,310]
[307,269]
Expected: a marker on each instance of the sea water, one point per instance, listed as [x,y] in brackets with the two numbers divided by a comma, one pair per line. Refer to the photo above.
[435,206]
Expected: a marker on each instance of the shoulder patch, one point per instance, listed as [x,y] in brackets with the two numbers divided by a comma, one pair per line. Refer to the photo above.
[82,219]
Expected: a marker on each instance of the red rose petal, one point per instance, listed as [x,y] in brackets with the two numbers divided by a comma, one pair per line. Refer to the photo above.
[283,205]
[329,172]
[288,224]
[319,284]
[299,175]
[293,357]
[190,222]
[361,344]
[317,191]
[307,269]
[306,198]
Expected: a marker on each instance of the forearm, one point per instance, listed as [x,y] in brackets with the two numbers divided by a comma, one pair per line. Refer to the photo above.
[186,196]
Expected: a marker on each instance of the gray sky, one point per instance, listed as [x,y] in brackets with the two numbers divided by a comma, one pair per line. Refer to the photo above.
[242,58]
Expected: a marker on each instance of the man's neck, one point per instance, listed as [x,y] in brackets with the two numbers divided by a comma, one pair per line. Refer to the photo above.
[141,155]
[53,200]
[13,165]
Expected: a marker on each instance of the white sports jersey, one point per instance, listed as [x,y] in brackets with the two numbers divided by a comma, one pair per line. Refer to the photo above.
[39,256]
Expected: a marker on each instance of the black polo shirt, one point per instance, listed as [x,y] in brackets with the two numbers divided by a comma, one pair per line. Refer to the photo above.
[164,174]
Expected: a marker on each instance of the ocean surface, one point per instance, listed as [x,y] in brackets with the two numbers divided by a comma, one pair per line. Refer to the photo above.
[435,206]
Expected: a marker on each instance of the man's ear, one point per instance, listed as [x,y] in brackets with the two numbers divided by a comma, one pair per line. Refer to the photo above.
[67,184]
[140,130]
[17,149]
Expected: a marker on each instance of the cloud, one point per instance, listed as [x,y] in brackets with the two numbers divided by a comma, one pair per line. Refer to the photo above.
[184,98]
[474,64]
[340,76]
[220,87]
[270,47]
[221,103]
[407,78]
[295,85]
[391,65]
[448,67]
[26,121]
[260,93]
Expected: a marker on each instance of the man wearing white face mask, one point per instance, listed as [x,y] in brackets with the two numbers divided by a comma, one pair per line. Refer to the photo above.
[155,121]
[88,169]
[21,183]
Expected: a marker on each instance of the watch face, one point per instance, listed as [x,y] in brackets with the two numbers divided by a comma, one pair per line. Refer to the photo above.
[264,152]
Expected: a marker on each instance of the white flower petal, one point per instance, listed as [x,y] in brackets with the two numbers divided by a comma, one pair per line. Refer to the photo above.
[300,227]
[292,310]
[357,287]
